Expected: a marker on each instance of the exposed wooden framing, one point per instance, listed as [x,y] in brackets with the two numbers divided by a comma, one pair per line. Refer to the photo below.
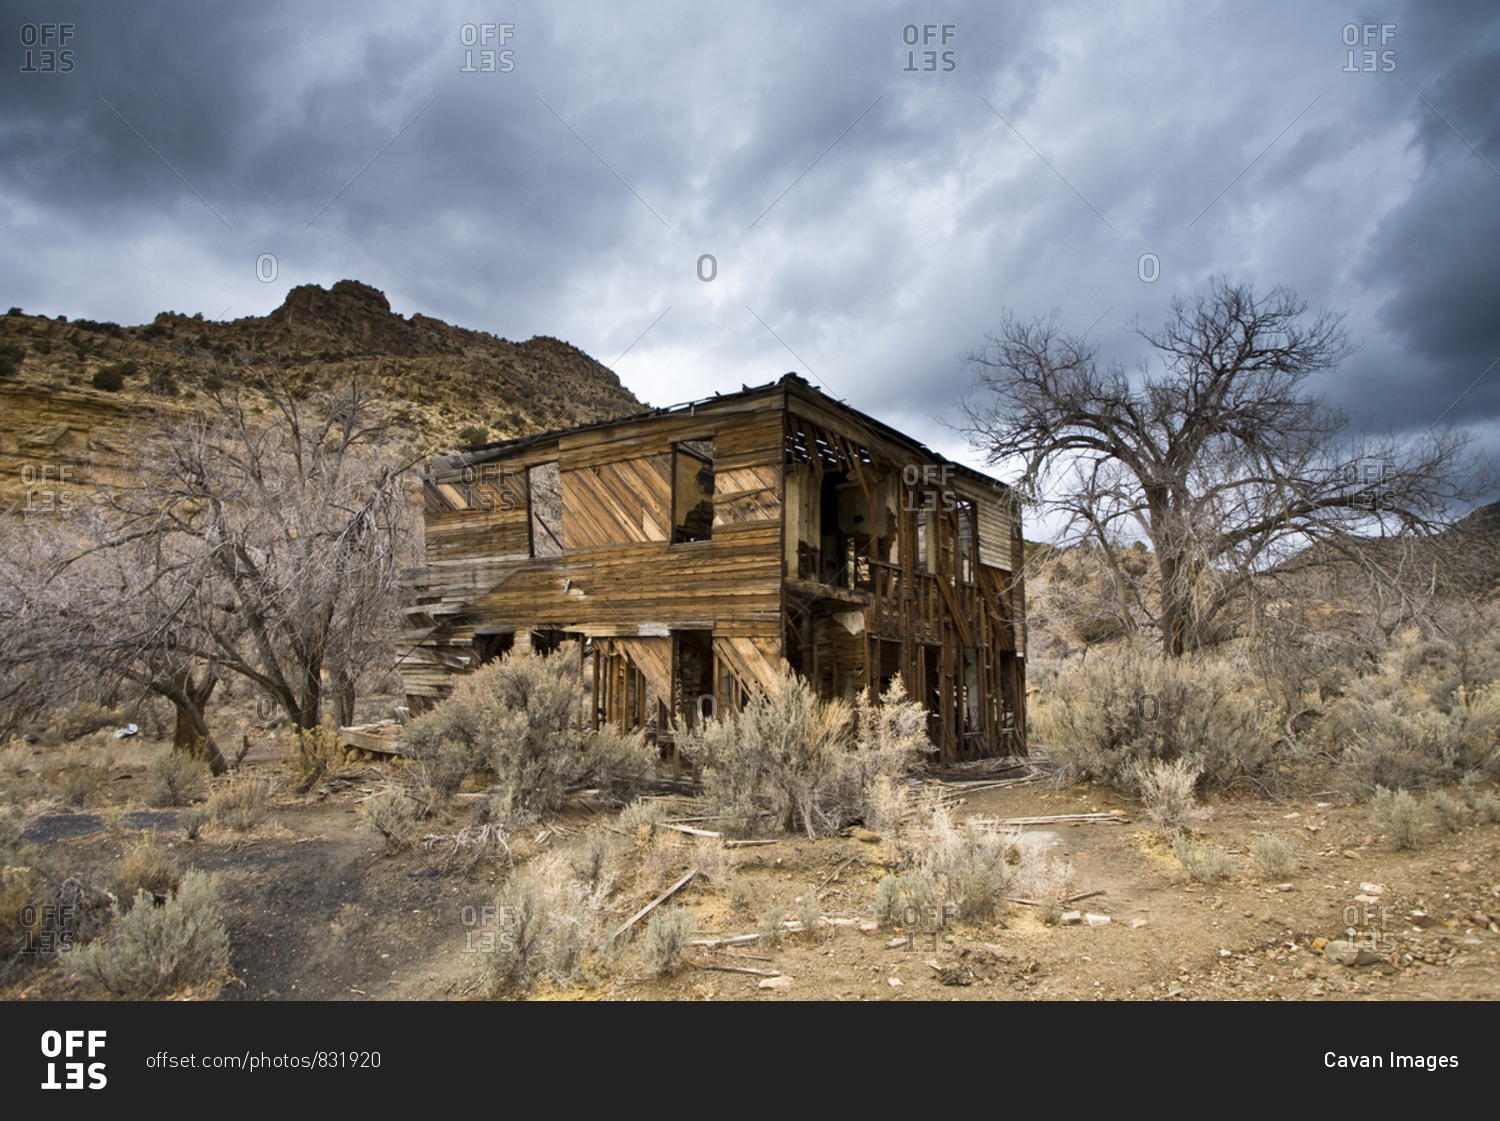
[772,580]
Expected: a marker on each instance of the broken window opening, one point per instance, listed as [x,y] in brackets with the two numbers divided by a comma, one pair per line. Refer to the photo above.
[489,645]
[692,491]
[544,498]
[966,541]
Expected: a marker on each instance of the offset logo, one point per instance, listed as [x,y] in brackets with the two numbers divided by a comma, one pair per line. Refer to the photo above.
[66,1045]
[43,43]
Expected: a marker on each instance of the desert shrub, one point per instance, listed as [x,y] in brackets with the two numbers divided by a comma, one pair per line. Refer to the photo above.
[1107,721]
[890,738]
[154,949]
[1397,816]
[715,861]
[1488,807]
[1273,857]
[513,961]
[241,804]
[108,378]
[145,868]
[643,812]
[593,861]
[1428,714]
[888,901]
[473,435]
[1040,866]
[312,753]
[887,805]
[919,890]
[781,758]
[664,858]
[667,936]
[742,895]
[15,760]
[772,927]
[555,925]
[1447,812]
[1167,790]
[193,819]
[20,887]
[615,765]
[1204,864]
[173,778]
[393,814]
[807,765]
[809,914]
[11,827]
[967,862]
[517,717]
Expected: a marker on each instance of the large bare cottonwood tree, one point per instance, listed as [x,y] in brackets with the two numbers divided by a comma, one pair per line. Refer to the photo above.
[1221,458]
[262,536]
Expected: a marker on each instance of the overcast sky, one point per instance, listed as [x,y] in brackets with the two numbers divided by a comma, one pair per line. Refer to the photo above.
[868,219]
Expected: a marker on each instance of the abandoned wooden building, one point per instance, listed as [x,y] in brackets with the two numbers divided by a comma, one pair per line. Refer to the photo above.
[691,550]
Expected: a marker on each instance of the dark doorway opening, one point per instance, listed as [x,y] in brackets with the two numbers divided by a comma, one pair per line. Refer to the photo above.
[694,657]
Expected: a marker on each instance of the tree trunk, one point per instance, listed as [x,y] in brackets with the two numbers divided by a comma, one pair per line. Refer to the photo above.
[191,734]
[343,698]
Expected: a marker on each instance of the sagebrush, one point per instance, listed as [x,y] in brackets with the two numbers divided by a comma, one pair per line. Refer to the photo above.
[154,949]
[1108,721]
[790,762]
[518,719]
[174,778]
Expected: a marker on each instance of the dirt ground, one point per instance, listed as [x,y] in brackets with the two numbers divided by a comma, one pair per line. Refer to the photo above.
[317,910]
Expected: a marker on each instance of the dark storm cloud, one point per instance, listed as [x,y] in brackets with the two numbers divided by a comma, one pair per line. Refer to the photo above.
[869,220]
[1438,250]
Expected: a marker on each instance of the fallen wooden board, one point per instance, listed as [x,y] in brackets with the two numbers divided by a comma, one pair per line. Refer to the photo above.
[1058,819]
[715,943]
[658,901]
[835,873]
[1083,895]
[689,830]
[735,968]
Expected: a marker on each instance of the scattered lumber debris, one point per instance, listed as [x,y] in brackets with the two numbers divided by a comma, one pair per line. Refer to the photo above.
[381,737]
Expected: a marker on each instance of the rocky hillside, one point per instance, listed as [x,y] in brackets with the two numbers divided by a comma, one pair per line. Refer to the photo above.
[74,395]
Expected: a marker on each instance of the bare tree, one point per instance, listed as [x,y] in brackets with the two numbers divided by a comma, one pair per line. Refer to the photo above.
[1221,460]
[262,538]
[89,611]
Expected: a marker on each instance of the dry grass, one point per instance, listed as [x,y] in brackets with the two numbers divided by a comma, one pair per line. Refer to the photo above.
[174,779]
[311,754]
[146,867]
[1168,791]
[393,814]
[241,803]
